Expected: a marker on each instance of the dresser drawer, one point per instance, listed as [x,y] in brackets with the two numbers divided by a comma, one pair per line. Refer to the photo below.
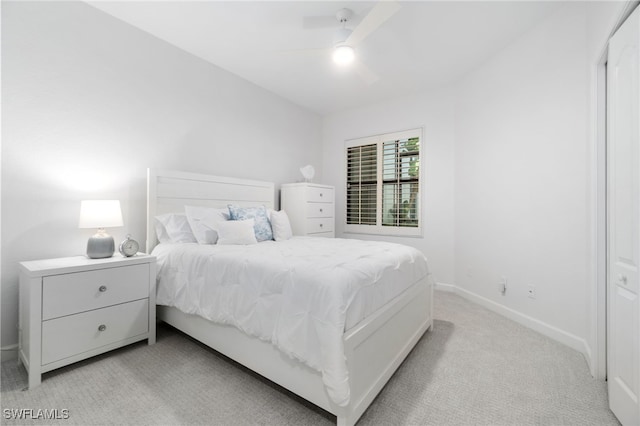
[74,334]
[320,195]
[323,234]
[319,209]
[68,294]
[319,225]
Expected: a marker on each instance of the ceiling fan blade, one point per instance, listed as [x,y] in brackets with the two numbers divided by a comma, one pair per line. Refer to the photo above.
[315,22]
[380,13]
[365,73]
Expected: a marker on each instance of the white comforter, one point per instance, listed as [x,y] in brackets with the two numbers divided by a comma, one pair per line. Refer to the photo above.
[300,295]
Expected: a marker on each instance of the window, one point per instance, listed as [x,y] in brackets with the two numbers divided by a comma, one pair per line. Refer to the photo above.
[383,184]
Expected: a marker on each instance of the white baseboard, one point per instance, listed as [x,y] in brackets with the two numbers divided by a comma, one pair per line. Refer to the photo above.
[573,341]
[586,351]
[445,287]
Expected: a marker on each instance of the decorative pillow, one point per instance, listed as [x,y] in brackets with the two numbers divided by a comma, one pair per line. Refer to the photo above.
[280,225]
[262,226]
[174,228]
[236,232]
[204,222]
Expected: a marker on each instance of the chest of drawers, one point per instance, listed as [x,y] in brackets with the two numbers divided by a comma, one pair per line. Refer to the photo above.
[74,308]
[310,207]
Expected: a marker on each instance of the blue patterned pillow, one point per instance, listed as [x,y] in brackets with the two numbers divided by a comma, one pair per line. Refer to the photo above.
[262,226]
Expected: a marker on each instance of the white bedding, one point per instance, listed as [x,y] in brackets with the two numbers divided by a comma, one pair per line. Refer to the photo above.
[300,294]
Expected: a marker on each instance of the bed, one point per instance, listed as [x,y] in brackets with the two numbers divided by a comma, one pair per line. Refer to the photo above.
[364,345]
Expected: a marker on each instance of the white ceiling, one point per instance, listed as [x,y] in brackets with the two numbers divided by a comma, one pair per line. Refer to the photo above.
[425,45]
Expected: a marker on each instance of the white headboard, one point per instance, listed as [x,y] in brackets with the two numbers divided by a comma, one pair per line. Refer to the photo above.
[169,191]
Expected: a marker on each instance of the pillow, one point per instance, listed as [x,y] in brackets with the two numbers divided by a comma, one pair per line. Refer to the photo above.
[236,232]
[280,225]
[174,228]
[204,222]
[161,232]
[262,226]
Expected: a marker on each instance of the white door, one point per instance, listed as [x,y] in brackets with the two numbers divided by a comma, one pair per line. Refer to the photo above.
[623,163]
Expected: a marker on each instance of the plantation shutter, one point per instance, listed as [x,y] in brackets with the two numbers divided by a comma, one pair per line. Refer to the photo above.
[401,183]
[383,184]
[362,184]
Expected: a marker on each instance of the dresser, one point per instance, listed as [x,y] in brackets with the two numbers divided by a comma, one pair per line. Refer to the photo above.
[310,207]
[74,308]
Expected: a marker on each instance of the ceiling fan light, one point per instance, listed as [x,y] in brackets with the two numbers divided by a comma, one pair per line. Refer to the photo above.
[343,55]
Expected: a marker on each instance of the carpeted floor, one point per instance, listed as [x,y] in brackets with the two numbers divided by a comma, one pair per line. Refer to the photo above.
[474,368]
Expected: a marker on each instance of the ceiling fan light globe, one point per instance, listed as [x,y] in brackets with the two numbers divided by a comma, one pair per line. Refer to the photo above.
[343,55]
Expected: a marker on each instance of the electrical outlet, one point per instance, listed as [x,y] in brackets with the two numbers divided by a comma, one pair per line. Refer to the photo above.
[531,292]
[502,285]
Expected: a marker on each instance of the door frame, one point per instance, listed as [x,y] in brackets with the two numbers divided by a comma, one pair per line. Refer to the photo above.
[599,253]
[599,266]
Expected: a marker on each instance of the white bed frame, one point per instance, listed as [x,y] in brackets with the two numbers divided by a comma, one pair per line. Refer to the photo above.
[374,349]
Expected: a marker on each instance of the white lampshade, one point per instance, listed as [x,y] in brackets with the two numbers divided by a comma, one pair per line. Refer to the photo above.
[100,214]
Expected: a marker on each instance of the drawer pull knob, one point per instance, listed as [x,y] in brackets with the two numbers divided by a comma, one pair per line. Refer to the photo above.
[320,225]
[103,288]
[321,194]
[320,210]
[102,327]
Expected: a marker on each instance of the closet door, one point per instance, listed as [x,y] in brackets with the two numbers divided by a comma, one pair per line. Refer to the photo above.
[623,158]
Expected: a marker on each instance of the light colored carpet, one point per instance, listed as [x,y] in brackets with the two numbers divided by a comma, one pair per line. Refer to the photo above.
[474,368]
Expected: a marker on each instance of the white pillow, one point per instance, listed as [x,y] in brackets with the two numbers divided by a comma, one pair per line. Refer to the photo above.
[236,232]
[204,222]
[174,228]
[262,225]
[280,225]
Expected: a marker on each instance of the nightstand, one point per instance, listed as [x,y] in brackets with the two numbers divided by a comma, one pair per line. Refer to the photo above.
[74,308]
[310,207]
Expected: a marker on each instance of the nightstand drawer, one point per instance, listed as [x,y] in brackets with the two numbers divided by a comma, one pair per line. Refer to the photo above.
[319,209]
[74,334]
[320,195]
[68,294]
[319,225]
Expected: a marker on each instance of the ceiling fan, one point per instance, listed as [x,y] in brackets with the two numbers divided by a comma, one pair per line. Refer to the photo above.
[346,40]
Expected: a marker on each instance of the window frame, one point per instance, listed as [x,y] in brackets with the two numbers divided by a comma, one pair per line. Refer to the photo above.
[379,228]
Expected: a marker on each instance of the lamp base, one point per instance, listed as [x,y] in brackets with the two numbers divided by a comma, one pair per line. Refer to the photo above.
[101,245]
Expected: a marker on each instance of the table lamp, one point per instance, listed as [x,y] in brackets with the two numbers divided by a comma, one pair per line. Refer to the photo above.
[100,214]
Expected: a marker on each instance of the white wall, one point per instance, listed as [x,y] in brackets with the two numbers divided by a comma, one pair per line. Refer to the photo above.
[521,159]
[89,102]
[527,166]
[433,112]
